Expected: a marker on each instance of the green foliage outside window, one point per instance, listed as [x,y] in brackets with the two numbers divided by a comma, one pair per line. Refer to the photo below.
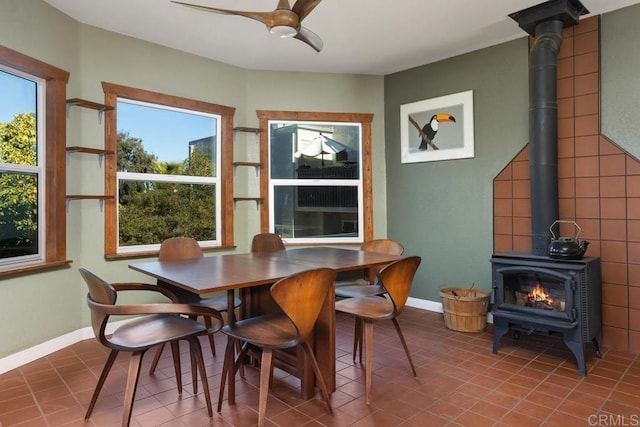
[18,190]
[151,211]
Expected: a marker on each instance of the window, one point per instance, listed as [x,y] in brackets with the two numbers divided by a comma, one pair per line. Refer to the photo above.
[168,174]
[32,141]
[319,176]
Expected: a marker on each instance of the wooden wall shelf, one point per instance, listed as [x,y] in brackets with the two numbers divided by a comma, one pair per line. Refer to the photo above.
[101,198]
[256,165]
[258,200]
[78,102]
[83,103]
[100,152]
[247,129]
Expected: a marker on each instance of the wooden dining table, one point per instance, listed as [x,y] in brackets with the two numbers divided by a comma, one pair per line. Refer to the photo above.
[253,273]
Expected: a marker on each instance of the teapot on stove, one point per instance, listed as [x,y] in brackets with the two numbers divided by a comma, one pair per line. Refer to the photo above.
[566,247]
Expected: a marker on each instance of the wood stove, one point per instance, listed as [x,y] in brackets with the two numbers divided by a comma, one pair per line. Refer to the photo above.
[537,293]
[533,292]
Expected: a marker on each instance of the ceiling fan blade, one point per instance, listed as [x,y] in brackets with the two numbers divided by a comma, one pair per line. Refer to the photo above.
[264,17]
[302,8]
[310,38]
[283,5]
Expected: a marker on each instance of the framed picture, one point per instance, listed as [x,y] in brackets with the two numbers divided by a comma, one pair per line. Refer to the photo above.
[437,129]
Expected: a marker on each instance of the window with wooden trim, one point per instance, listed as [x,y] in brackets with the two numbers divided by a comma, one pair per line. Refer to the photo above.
[32,164]
[318,183]
[170,175]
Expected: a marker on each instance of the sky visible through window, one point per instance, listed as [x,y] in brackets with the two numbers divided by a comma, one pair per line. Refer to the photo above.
[17,95]
[164,132]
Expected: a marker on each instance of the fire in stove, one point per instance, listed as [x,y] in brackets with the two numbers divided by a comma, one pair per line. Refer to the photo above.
[539,298]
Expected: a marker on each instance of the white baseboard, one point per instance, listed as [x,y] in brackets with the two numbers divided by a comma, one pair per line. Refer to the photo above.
[425,304]
[434,306]
[23,357]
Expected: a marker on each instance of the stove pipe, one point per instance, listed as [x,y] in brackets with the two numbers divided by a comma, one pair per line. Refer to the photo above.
[543,132]
[545,22]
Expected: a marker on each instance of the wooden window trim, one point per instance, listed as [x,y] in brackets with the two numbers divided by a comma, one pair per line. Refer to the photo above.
[55,144]
[112,92]
[364,119]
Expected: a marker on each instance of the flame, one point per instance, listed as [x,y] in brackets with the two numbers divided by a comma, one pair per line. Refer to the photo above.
[538,294]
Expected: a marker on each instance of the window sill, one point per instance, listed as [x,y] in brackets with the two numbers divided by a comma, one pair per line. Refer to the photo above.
[149,254]
[34,268]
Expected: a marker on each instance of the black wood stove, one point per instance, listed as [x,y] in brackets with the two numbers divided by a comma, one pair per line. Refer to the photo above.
[536,293]
[532,291]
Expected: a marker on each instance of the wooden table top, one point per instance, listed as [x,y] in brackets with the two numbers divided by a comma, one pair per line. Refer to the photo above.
[234,271]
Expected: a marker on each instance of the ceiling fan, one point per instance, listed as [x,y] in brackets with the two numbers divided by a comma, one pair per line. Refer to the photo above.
[284,22]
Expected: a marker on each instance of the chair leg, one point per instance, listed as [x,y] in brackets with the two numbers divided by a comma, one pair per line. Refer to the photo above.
[132,384]
[156,359]
[357,339]
[319,377]
[241,367]
[103,376]
[226,366]
[238,343]
[265,373]
[194,371]
[175,349]
[404,344]
[208,323]
[196,351]
[368,343]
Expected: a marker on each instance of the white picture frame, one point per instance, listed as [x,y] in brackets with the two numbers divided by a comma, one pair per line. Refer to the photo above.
[452,140]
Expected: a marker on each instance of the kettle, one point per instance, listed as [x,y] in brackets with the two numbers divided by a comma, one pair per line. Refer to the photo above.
[566,247]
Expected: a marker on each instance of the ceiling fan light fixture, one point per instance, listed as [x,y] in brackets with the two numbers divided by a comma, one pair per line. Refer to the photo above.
[283,31]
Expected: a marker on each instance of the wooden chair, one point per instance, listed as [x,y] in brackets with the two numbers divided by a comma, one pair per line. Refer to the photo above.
[187,248]
[368,286]
[267,242]
[159,323]
[300,298]
[396,278]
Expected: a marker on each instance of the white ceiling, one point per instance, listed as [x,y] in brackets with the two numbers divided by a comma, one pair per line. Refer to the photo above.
[360,36]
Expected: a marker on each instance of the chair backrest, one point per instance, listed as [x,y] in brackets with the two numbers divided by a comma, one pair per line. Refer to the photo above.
[267,242]
[100,292]
[384,246]
[179,248]
[397,278]
[301,296]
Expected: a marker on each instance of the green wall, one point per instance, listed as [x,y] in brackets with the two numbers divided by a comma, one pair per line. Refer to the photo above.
[38,307]
[443,210]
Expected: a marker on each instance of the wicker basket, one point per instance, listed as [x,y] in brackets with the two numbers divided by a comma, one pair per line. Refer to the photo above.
[465,310]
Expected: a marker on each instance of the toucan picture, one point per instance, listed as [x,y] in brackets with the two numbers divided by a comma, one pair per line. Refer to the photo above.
[428,132]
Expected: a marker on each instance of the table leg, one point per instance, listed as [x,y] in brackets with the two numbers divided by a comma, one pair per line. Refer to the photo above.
[231,374]
[325,341]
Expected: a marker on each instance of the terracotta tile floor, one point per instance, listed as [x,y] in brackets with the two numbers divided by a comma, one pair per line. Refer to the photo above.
[532,381]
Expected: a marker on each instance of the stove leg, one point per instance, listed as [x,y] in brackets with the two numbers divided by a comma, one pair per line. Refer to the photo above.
[499,329]
[577,348]
[516,335]
[596,347]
